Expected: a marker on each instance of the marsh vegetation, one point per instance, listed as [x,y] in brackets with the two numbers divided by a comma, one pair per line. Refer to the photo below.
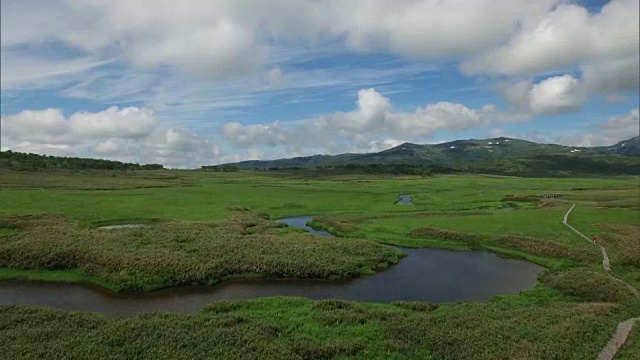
[173,253]
[206,226]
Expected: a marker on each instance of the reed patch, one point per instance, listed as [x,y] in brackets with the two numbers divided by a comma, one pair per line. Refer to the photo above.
[184,253]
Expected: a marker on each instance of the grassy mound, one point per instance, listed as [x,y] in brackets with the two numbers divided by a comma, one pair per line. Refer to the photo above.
[333,225]
[622,242]
[588,285]
[587,254]
[180,252]
[444,234]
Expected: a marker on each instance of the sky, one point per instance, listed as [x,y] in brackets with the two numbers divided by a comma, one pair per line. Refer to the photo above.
[203,82]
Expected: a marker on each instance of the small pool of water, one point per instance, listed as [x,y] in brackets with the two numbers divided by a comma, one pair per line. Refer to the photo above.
[404,200]
[301,222]
[121,226]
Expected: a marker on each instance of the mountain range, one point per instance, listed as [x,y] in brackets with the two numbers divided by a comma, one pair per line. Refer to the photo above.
[500,155]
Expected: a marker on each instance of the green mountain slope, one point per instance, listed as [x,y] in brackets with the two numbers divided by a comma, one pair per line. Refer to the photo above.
[626,147]
[498,156]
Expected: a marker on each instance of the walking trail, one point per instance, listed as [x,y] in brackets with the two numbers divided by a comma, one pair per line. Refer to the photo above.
[624,328]
[605,257]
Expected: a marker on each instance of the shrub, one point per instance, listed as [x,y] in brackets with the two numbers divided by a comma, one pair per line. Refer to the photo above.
[436,233]
[622,242]
[415,305]
[587,254]
[588,285]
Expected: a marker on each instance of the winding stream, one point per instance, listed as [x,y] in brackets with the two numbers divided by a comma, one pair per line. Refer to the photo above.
[425,275]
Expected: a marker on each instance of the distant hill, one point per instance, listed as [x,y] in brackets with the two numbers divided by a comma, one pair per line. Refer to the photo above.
[27,161]
[501,155]
[626,147]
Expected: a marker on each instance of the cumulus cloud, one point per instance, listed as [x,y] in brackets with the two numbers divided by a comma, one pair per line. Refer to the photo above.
[226,37]
[130,134]
[51,126]
[372,125]
[556,95]
[564,37]
[553,95]
[428,29]
[131,122]
[214,40]
[222,50]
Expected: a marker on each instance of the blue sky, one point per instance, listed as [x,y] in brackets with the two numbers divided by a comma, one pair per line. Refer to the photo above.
[211,82]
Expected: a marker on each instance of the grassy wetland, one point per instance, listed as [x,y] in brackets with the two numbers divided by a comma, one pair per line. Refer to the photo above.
[203,228]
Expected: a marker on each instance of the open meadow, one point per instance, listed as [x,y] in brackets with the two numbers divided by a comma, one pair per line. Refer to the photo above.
[201,228]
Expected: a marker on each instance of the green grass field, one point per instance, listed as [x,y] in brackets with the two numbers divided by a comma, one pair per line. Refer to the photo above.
[206,227]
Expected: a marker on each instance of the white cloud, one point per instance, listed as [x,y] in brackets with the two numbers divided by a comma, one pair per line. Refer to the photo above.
[619,128]
[553,95]
[39,126]
[19,17]
[45,149]
[50,125]
[220,38]
[556,95]
[428,29]
[613,75]
[357,130]
[562,38]
[249,135]
[129,134]
[215,40]
[217,52]
[131,122]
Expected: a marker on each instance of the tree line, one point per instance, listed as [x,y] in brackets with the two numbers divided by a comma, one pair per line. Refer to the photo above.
[30,162]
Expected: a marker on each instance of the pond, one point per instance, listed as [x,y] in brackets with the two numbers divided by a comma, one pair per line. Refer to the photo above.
[424,275]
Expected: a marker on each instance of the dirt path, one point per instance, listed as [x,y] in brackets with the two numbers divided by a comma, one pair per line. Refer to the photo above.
[617,340]
[605,258]
[624,328]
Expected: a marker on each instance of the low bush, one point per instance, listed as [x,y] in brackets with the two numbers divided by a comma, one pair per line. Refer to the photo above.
[622,243]
[416,305]
[333,225]
[587,254]
[336,312]
[588,285]
[444,234]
